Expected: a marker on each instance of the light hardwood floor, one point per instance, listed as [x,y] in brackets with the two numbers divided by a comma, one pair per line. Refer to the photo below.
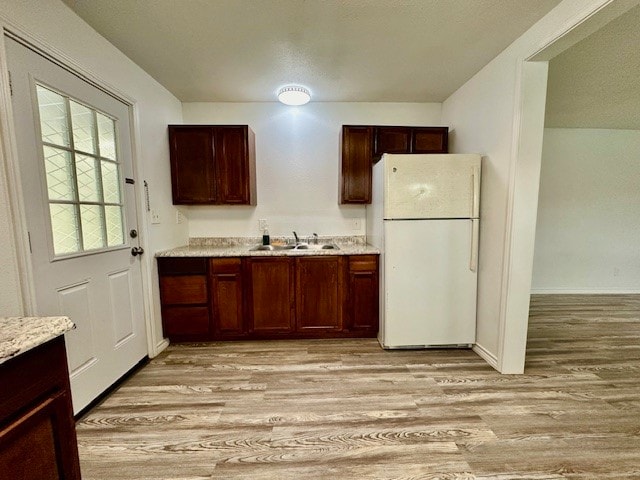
[345,409]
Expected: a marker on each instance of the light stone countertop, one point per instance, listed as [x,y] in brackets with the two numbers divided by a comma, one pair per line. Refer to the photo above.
[240,247]
[21,334]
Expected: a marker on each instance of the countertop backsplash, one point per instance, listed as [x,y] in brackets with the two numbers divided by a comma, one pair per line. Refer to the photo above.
[248,241]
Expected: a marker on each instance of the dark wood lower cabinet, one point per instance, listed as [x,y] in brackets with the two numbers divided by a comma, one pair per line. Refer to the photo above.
[185,299]
[226,298]
[269,297]
[37,429]
[318,294]
[362,294]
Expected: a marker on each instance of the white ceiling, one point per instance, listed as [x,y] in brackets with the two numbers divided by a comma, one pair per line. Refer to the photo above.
[343,50]
[596,83]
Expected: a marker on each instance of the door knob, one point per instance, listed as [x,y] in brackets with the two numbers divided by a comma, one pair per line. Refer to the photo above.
[135,251]
[133,233]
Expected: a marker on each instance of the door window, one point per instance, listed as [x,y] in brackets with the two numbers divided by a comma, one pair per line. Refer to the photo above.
[82,174]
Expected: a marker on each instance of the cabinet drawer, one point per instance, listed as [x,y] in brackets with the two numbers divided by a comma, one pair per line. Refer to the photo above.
[225,265]
[184,289]
[360,263]
[186,321]
[182,265]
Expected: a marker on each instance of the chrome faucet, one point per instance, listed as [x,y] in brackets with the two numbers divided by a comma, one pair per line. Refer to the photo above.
[296,237]
[315,238]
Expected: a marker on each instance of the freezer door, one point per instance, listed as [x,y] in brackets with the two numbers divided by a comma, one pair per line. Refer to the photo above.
[430,283]
[432,186]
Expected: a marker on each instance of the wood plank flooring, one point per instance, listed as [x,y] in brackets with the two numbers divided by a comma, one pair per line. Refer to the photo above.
[345,409]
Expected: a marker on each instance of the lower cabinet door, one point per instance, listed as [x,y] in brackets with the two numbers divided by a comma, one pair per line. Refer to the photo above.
[40,444]
[270,295]
[227,298]
[318,294]
[363,293]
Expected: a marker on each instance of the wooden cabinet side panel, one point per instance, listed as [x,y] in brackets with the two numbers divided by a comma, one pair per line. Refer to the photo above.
[270,295]
[356,164]
[318,294]
[191,152]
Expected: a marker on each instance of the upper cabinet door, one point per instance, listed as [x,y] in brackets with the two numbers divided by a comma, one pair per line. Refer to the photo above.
[232,165]
[192,171]
[213,164]
[355,170]
[391,140]
[430,140]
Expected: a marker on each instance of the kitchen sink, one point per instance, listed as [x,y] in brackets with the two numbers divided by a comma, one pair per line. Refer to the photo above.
[299,246]
[313,246]
[260,248]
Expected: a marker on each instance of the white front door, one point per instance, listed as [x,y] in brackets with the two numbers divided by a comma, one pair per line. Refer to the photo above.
[75,154]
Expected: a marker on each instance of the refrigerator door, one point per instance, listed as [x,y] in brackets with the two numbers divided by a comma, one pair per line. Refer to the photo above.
[431,186]
[430,283]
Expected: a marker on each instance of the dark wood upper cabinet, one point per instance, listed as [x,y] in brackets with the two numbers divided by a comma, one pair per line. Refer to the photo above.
[391,140]
[212,164]
[318,294]
[430,140]
[355,169]
[363,145]
[192,165]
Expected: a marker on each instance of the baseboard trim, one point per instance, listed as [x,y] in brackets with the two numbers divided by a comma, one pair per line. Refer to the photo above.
[486,355]
[160,346]
[583,291]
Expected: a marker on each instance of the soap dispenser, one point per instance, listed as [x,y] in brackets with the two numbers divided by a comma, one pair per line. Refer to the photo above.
[265,237]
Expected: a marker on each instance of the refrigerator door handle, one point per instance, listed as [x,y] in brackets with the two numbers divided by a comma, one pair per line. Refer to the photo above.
[475,178]
[475,234]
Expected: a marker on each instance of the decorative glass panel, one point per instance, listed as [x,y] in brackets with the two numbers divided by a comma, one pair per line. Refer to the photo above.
[64,225]
[115,229]
[110,182]
[87,176]
[82,122]
[83,175]
[92,233]
[107,136]
[53,117]
[58,169]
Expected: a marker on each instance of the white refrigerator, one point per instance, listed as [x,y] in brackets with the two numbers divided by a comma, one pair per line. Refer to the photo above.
[424,218]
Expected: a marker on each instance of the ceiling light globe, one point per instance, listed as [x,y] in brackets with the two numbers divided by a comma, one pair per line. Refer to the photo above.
[294,95]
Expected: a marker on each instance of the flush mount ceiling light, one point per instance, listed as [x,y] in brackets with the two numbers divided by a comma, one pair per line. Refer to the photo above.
[294,95]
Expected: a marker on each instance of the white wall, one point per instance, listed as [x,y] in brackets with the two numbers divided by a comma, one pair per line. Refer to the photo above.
[55,25]
[297,163]
[486,114]
[588,229]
